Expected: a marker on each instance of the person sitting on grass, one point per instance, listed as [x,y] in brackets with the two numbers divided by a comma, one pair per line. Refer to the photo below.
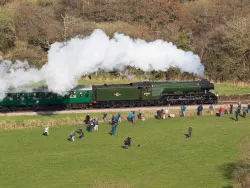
[190,129]
[127,142]
[81,136]
[158,114]
[72,136]
[46,131]
[220,112]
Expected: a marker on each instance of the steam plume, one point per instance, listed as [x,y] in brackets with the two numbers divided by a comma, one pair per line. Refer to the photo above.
[81,56]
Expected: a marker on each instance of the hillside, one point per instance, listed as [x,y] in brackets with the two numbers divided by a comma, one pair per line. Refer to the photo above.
[216,30]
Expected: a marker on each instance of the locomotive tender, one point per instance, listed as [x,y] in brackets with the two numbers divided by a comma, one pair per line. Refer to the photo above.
[114,95]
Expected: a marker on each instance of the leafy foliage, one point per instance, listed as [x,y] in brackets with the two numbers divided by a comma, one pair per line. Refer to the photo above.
[217,30]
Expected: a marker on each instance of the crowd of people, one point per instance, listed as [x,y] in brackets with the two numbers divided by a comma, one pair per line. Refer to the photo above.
[92,124]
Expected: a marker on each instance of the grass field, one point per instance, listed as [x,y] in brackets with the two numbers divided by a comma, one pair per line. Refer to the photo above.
[165,159]
[230,89]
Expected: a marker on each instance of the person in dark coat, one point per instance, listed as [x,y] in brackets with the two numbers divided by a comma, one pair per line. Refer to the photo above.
[158,114]
[81,136]
[231,108]
[112,119]
[87,119]
[127,142]
[237,112]
[199,110]
[239,107]
[190,130]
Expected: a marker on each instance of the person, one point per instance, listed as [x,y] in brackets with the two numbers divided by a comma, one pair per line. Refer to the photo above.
[139,114]
[237,112]
[105,117]
[87,119]
[127,142]
[231,108]
[117,117]
[112,118]
[96,124]
[220,112]
[158,114]
[133,117]
[72,136]
[183,110]
[120,118]
[239,107]
[190,130]
[199,110]
[46,131]
[211,110]
[225,109]
[244,112]
[130,117]
[92,125]
[81,136]
[113,130]
[248,108]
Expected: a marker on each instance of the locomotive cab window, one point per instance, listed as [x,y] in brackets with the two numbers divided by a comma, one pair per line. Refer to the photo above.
[87,94]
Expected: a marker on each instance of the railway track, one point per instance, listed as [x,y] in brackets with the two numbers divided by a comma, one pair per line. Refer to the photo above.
[86,111]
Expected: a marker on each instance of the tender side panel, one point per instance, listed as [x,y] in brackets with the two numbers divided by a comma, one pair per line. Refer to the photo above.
[117,93]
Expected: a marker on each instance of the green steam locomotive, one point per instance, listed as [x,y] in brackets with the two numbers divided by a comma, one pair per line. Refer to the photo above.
[111,96]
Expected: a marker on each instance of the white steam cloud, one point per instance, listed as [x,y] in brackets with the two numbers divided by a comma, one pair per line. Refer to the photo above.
[81,56]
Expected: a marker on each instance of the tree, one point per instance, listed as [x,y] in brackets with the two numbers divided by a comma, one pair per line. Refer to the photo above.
[37,25]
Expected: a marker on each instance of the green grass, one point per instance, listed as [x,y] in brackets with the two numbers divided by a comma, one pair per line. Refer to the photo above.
[3,16]
[230,89]
[165,159]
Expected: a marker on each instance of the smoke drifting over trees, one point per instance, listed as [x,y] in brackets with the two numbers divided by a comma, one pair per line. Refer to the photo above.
[70,60]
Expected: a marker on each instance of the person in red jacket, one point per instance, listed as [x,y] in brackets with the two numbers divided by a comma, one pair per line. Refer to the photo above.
[220,112]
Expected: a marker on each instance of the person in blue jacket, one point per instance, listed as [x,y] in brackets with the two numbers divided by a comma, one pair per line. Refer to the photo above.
[183,110]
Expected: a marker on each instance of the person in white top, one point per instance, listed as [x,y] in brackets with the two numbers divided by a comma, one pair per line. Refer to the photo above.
[46,131]
[72,136]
